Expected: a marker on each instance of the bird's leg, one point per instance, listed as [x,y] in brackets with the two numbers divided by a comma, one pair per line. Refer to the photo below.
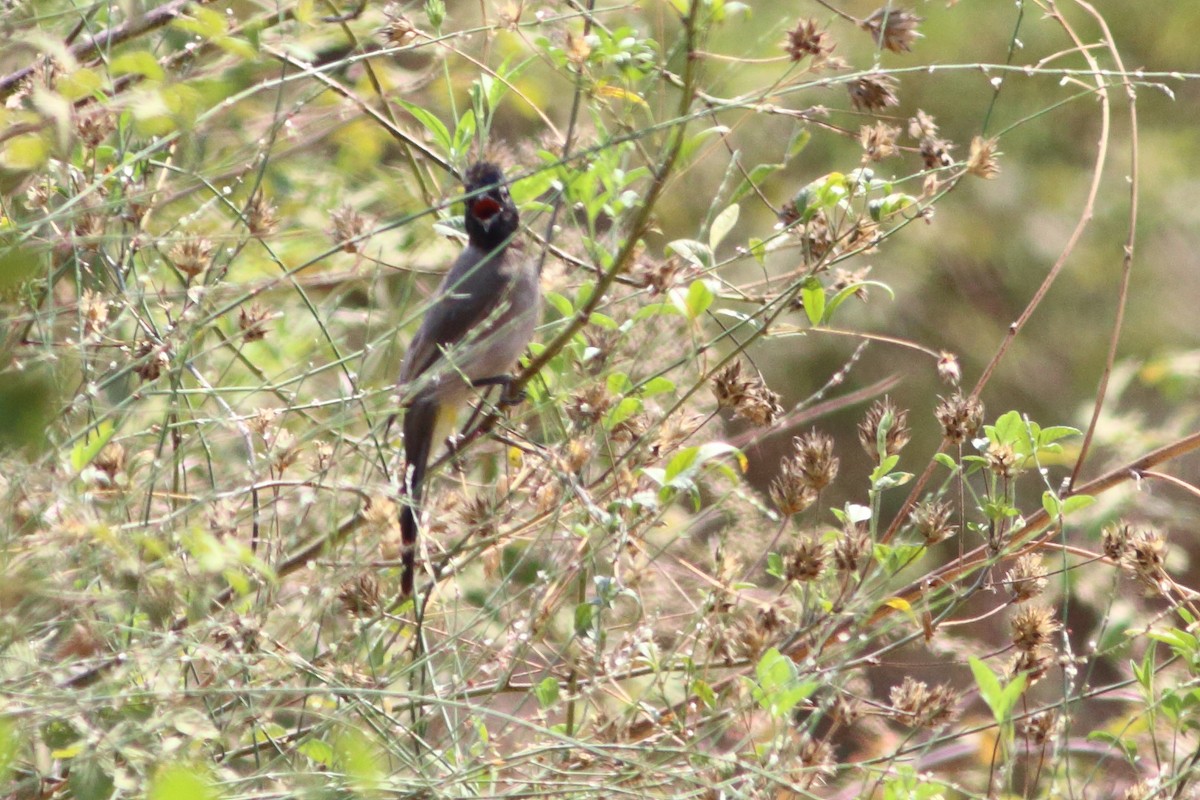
[507,396]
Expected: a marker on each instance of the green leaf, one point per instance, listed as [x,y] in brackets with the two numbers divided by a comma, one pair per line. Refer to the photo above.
[756,176]
[699,297]
[10,747]
[813,296]
[1056,432]
[722,225]
[137,62]
[235,45]
[441,135]
[532,186]
[561,304]
[180,782]
[626,408]
[705,693]
[204,22]
[463,131]
[799,141]
[584,613]
[317,751]
[694,252]
[83,452]
[24,153]
[1009,429]
[83,82]
[887,465]
[846,292]
[547,692]
[947,461]
[656,385]
[989,685]
[778,688]
[618,383]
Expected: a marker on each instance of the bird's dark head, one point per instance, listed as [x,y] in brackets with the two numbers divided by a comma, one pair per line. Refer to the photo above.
[491,217]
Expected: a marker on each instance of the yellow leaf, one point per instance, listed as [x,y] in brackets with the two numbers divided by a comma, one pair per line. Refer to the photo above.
[83,82]
[27,152]
[137,62]
[616,92]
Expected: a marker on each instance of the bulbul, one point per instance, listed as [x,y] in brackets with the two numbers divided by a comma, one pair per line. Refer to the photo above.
[479,322]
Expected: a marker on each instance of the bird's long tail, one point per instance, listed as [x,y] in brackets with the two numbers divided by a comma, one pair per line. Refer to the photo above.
[420,424]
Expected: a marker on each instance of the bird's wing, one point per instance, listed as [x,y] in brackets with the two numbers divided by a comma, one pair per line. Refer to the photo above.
[471,292]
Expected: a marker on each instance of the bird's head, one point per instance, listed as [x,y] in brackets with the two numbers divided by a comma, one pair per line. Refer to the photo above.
[491,218]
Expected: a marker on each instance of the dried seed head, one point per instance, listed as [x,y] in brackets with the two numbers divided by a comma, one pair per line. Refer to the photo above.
[1113,540]
[892,28]
[1039,728]
[865,238]
[151,359]
[110,460]
[981,161]
[661,276]
[93,128]
[815,458]
[577,49]
[547,496]
[948,368]
[322,456]
[283,449]
[578,454]
[381,516]
[93,307]
[852,546]
[252,322]
[761,407]
[884,428]
[586,407]
[790,491]
[261,216]
[1142,558]
[479,516]
[1027,578]
[961,417]
[191,256]
[1141,790]
[916,705]
[89,230]
[922,126]
[360,596]
[1032,628]
[878,141]
[346,226]
[1003,460]
[816,763]
[399,31]
[37,196]
[728,386]
[806,39]
[935,153]
[1033,663]
[81,642]
[749,399]
[806,561]
[931,518]
[873,93]
[816,239]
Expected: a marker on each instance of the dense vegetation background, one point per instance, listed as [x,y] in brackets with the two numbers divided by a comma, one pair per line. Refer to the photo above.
[858,454]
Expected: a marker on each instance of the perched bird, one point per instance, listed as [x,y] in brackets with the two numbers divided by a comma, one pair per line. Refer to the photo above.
[479,322]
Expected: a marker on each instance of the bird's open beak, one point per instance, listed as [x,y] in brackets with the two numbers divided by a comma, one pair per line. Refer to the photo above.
[485,208]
